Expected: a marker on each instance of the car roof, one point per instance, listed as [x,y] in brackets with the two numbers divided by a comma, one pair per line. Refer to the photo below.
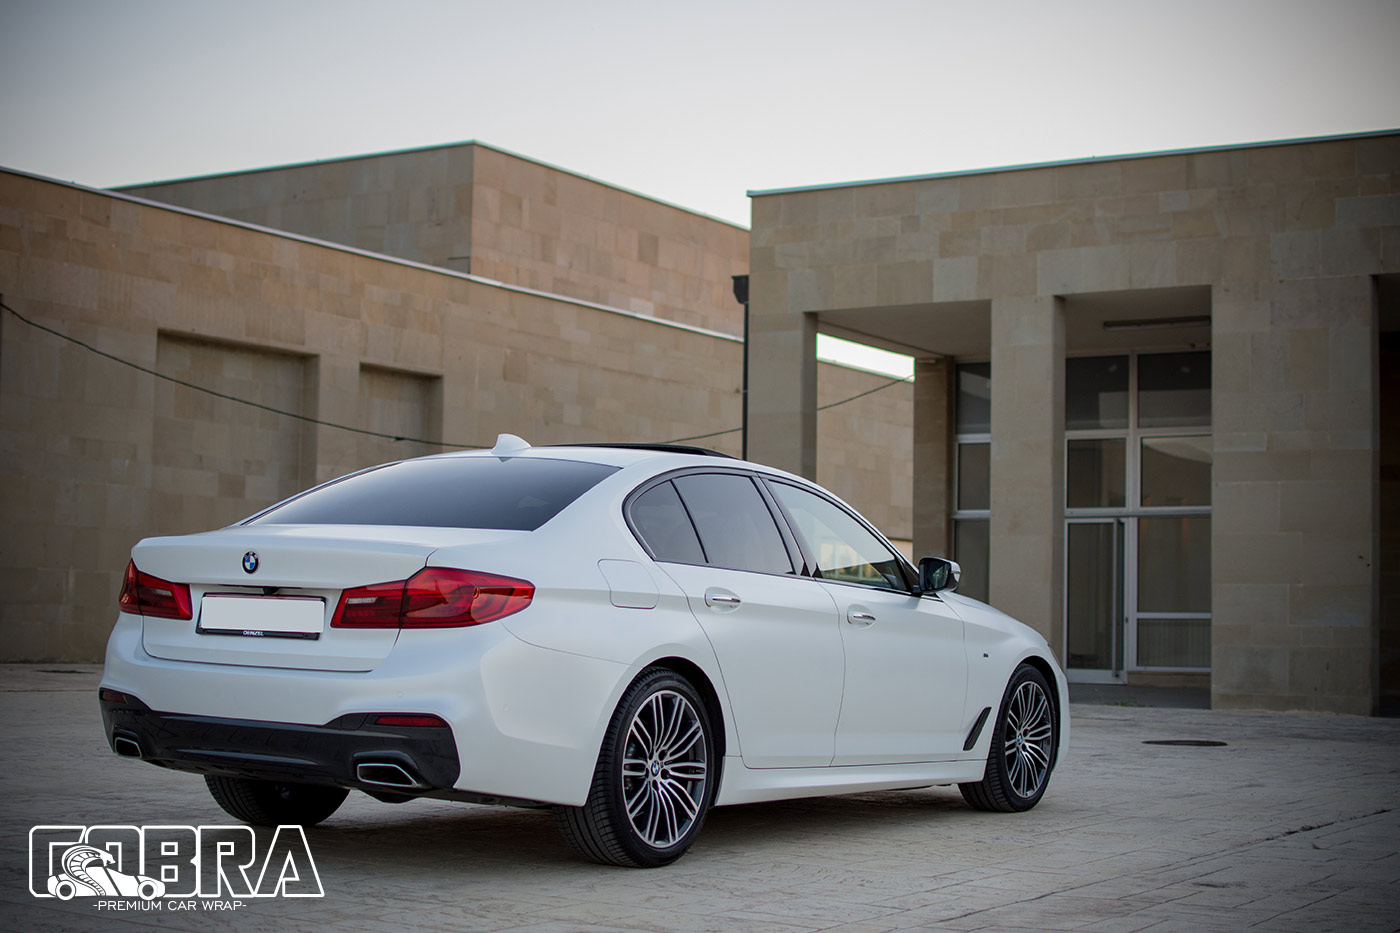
[654,456]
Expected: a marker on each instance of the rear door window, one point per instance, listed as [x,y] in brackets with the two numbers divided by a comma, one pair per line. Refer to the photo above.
[736,529]
[661,522]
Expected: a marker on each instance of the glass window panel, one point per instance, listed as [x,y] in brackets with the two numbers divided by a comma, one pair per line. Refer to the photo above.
[734,523]
[1176,470]
[846,551]
[974,476]
[1174,564]
[1096,392]
[1173,389]
[972,550]
[974,398]
[1095,474]
[663,526]
[1093,598]
[1173,642]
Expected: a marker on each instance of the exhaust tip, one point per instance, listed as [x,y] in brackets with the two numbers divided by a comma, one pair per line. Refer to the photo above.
[126,746]
[386,774]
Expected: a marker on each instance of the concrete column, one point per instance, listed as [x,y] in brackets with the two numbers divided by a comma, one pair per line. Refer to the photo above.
[782,379]
[1028,429]
[1295,501]
[933,442]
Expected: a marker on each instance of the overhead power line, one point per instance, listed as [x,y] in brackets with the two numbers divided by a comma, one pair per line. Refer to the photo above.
[345,427]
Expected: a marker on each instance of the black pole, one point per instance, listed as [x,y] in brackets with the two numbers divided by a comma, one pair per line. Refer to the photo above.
[741,294]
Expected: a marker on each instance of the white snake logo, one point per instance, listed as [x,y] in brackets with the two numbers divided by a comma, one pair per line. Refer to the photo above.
[87,872]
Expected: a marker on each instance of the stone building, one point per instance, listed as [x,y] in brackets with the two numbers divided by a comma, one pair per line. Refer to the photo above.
[1154,398]
[602,315]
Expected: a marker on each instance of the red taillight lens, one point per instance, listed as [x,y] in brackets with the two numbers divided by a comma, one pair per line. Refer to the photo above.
[434,597]
[151,596]
[376,606]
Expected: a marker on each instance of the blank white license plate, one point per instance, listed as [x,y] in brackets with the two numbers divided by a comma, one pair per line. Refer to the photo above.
[292,617]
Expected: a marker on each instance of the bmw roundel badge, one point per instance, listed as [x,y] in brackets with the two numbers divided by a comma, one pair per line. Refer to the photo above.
[250,562]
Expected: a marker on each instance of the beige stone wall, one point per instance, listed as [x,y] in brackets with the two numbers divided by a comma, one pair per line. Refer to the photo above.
[868,446]
[97,455]
[1284,238]
[536,226]
[472,208]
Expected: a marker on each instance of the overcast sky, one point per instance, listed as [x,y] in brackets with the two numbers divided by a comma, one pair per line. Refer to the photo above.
[692,103]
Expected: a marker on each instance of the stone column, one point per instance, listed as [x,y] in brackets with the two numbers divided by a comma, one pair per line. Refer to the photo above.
[933,441]
[1294,497]
[1028,429]
[782,378]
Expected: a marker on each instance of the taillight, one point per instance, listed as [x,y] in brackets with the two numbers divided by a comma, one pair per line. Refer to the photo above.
[434,597]
[151,596]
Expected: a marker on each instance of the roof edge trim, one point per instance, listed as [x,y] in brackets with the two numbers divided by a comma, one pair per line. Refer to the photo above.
[429,148]
[1087,160]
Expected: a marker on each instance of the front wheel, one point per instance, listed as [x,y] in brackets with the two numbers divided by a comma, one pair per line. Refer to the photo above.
[655,778]
[271,803]
[1023,750]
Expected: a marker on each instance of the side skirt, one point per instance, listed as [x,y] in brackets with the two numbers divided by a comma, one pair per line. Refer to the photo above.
[754,785]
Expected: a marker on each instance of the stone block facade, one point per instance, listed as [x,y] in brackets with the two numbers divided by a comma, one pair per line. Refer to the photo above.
[474,208]
[1280,258]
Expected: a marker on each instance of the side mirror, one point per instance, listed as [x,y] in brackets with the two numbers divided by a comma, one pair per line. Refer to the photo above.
[937,575]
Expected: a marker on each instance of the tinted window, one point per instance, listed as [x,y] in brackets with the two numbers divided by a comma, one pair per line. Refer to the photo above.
[518,493]
[846,551]
[735,526]
[663,526]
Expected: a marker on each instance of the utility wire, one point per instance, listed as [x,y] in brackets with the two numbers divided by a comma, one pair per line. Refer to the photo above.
[345,427]
[231,398]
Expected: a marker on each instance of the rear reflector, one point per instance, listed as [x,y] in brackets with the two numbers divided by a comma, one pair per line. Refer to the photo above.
[434,597]
[111,696]
[151,596]
[399,719]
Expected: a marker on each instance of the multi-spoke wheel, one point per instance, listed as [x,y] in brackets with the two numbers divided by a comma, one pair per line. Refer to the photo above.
[655,778]
[1023,747]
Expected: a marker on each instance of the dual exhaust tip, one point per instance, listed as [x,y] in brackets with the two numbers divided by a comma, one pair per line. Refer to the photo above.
[388,774]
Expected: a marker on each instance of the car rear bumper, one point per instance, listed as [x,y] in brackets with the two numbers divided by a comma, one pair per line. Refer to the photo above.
[350,751]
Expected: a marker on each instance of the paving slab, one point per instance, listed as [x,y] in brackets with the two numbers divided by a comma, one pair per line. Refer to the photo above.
[1293,824]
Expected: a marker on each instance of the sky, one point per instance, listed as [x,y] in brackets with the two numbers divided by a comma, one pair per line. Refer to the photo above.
[691,103]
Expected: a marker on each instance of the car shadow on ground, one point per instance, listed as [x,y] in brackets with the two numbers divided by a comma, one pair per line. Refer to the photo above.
[527,839]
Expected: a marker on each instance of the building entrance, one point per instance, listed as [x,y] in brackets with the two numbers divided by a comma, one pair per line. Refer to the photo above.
[1137,514]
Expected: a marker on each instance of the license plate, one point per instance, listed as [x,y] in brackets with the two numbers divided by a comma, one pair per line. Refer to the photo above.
[262,616]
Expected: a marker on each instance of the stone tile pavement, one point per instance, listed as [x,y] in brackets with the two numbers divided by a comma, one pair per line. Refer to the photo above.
[1293,825]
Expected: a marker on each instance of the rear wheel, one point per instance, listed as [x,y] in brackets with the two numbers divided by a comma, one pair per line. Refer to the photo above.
[1023,747]
[270,803]
[655,778]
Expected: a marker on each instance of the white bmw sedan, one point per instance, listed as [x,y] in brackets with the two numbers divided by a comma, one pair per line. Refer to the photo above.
[630,635]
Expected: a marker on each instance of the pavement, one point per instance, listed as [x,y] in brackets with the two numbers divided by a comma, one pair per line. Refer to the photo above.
[1293,824]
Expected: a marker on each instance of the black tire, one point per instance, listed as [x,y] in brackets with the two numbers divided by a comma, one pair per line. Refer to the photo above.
[670,783]
[270,803]
[1024,746]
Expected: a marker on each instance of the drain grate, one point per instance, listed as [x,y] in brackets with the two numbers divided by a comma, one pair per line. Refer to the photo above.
[1193,743]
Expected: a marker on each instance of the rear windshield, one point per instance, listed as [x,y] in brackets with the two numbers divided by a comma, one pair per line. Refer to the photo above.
[518,493]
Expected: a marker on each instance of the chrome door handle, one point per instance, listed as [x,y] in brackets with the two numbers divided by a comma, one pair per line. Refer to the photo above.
[722,599]
[859,618]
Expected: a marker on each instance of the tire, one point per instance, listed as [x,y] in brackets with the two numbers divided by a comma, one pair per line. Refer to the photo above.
[1024,746]
[270,803]
[655,778]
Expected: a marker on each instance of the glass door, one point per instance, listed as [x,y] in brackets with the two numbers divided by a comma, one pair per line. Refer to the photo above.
[1094,598]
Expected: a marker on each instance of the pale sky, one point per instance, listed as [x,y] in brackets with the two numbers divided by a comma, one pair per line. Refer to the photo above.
[692,103]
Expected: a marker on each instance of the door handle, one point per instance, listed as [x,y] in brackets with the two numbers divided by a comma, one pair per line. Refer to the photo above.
[859,617]
[720,599]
